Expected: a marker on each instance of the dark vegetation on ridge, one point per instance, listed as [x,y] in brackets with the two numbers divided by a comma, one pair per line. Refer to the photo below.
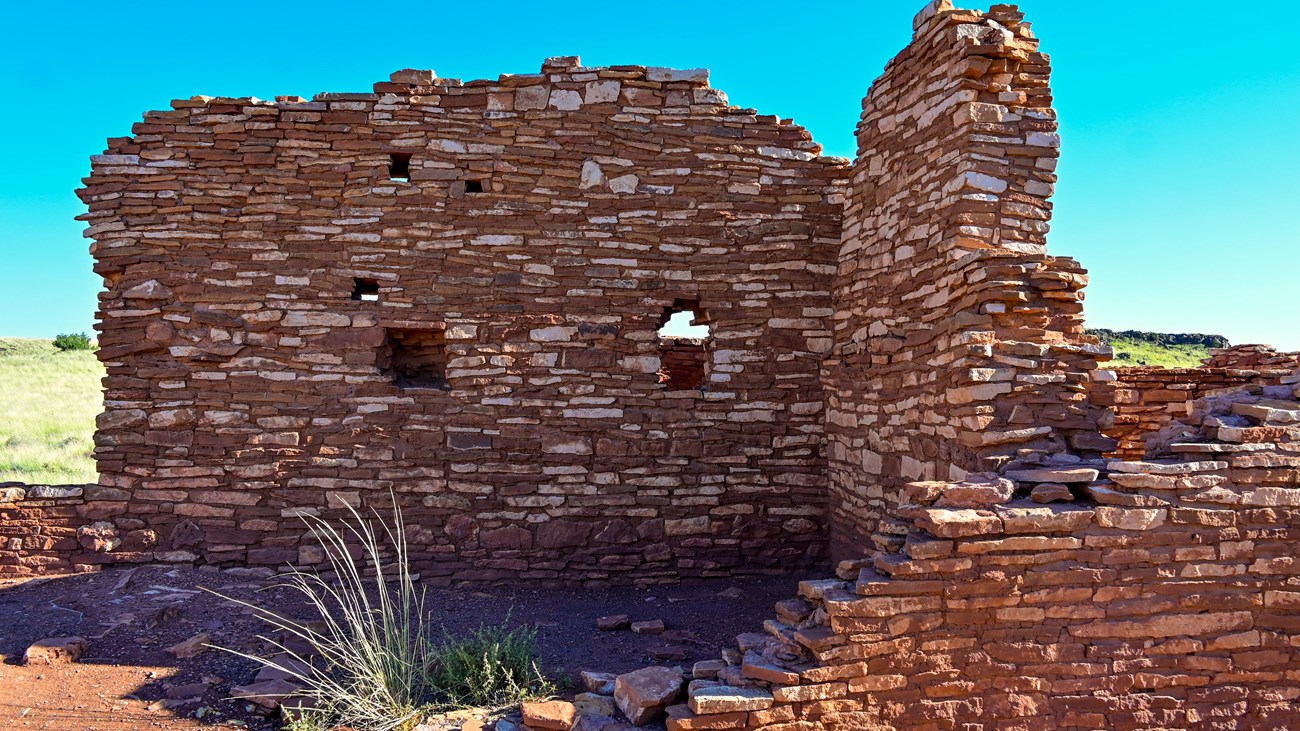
[1171,350]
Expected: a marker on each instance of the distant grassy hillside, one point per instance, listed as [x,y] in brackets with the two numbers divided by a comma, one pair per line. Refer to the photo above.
[48,403]
[1170,350]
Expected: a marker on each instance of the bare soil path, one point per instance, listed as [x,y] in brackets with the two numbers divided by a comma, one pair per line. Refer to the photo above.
[128,680]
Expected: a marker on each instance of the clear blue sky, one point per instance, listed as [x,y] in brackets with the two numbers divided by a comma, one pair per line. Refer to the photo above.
[1180,177]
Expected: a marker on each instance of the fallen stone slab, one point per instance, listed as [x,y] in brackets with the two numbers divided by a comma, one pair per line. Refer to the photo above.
[614,622]
[970,494]
[707,669]
[594,704]
[1051,492]
[668,652]
[55,650]
[724,699]
[648,627]
[1068,476]
[552,715]
[1270,411]
[602,683]
[268,694]
[189,690]
[191,647]
[642,695]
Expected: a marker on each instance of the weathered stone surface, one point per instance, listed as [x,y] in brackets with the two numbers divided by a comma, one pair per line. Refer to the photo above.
[1068,476]
[54,650]
[452,295]
[642,695]
[723,699]
[190,647]
[959,523]
[976,494]
[594,704]
[613,622]
[100,537]
[555,714]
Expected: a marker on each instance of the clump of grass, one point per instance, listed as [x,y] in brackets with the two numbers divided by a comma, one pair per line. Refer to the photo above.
[492,667]
[376,666]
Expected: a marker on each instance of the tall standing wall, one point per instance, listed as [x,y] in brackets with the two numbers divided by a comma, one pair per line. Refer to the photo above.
[958,340]
[450,293]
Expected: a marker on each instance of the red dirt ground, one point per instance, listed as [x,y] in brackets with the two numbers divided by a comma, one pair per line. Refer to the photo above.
[122,681]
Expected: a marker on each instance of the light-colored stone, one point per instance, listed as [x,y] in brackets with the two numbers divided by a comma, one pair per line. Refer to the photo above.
[642,695]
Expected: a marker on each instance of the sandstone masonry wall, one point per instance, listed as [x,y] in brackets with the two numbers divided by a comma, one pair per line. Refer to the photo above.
[958,340]
[1162,595]
[1054,588]
[450,293]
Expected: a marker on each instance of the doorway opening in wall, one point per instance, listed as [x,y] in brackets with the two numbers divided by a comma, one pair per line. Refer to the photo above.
[684,335]
[415,359]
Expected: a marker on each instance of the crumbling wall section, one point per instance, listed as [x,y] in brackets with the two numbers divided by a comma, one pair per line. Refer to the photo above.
[1146,400]
[1162,595]
[449,293]
[958,340]
[1252,357]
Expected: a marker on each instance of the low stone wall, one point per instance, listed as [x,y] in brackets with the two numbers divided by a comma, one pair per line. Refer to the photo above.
[1252,357]
[1148,399]
[69,528]
[60,528]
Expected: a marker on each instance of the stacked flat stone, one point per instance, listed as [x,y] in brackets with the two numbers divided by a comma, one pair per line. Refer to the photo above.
[1148,399]
[1252,357]
[999,571]
[265,260]
[959,341]
[1164,594]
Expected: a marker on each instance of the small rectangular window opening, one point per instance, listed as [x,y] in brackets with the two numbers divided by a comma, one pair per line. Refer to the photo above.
[399,167]
[365,290]
[473,186]
[415,359]
[683,346]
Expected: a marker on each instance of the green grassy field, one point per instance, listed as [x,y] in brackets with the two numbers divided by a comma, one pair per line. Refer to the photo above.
[1130,353]
[1167,350]
[48,403]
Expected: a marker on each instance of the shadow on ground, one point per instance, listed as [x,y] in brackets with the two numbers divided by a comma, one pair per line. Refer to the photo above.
[128,679]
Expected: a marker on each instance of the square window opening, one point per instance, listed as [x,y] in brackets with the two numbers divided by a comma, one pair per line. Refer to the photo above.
[365,290]
[415,359]
[399,167]
[473,186]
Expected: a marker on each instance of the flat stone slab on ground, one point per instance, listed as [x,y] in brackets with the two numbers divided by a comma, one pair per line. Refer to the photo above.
[55,650]
[554,715]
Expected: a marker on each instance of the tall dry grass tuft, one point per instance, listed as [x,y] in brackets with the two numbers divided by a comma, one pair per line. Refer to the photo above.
[376,667]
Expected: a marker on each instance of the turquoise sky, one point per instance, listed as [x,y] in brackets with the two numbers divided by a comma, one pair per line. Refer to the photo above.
[1179,177]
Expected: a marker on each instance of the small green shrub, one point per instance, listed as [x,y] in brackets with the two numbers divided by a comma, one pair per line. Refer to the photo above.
[492,667]
[73,341]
